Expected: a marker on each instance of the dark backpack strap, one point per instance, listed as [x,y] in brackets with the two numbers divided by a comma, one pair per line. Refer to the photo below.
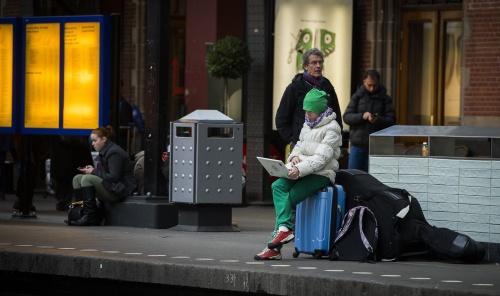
[346,223]
[367,244]
[371,258]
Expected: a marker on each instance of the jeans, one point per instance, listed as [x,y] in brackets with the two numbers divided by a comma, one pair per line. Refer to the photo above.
[358,159]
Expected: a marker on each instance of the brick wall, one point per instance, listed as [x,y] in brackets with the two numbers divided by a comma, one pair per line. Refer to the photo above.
[129,50]
[482,58]
[10,8]
[132,15]
[361,45]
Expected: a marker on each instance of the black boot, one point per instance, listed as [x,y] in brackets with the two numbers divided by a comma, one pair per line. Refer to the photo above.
[77,194]
[91,216]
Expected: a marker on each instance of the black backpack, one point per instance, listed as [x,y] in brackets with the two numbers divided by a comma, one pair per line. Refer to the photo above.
[389,205]
[357,238]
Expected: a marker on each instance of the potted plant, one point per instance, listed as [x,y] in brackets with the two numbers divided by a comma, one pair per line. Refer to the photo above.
[229,58]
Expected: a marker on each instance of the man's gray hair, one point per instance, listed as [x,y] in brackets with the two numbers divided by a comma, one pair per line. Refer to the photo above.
[307,54]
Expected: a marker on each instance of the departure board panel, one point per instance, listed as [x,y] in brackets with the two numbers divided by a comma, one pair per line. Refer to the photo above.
[42,75]
[6,73]
[61,74]
[81,75]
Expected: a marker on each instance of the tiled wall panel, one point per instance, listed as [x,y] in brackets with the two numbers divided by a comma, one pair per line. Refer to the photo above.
[459,194]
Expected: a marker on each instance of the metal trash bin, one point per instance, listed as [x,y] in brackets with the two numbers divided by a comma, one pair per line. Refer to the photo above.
[206,152]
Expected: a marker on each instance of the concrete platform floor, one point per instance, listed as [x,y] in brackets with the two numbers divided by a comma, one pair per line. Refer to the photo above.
[214,261]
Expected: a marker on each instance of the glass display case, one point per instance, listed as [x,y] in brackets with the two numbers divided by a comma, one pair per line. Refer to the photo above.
[443,141]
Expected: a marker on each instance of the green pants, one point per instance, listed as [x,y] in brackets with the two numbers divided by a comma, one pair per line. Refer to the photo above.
[86,180]
[288,193]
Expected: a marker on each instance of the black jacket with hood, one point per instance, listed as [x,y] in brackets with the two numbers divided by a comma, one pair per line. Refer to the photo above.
[378,103]
[290,116]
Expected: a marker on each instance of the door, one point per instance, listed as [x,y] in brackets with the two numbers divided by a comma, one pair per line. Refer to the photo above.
[429,72]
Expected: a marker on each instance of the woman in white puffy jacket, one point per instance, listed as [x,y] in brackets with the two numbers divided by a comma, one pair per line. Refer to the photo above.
[313,164]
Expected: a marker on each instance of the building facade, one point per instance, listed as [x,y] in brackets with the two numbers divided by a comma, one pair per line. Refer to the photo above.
[439,60]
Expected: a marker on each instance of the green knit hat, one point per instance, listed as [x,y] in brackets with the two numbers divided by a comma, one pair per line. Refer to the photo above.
[315,101]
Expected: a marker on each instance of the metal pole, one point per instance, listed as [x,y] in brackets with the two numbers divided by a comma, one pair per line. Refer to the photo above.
[115,91]
[155,103]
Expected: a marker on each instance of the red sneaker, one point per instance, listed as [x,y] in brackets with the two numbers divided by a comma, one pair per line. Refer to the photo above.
[280,239]
[268,254]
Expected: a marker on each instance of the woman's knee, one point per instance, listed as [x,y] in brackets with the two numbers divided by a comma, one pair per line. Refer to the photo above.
[280,184]
[279,190]
[86,180]
[77,181]
[274,185]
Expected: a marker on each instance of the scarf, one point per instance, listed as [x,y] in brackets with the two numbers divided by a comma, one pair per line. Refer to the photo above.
[326,113]
[316,83]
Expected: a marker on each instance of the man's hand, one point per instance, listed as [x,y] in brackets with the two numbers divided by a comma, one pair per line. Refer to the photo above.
[370,117]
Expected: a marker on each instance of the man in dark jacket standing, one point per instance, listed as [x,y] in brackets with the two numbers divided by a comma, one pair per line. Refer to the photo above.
[290,115]
[369,110]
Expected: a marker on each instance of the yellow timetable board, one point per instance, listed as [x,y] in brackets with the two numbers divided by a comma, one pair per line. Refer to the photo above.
[6,73]
[42,74]
[65,74]
[81,75]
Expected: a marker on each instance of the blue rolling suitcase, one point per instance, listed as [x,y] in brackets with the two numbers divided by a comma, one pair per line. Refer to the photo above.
[317,221]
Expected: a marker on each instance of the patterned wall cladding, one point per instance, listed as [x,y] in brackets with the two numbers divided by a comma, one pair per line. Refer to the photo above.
[255,122]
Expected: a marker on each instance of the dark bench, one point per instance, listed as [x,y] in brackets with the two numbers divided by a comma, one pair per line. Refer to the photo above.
[141,211]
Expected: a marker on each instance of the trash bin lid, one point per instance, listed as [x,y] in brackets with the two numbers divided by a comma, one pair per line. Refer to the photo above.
[212,116]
